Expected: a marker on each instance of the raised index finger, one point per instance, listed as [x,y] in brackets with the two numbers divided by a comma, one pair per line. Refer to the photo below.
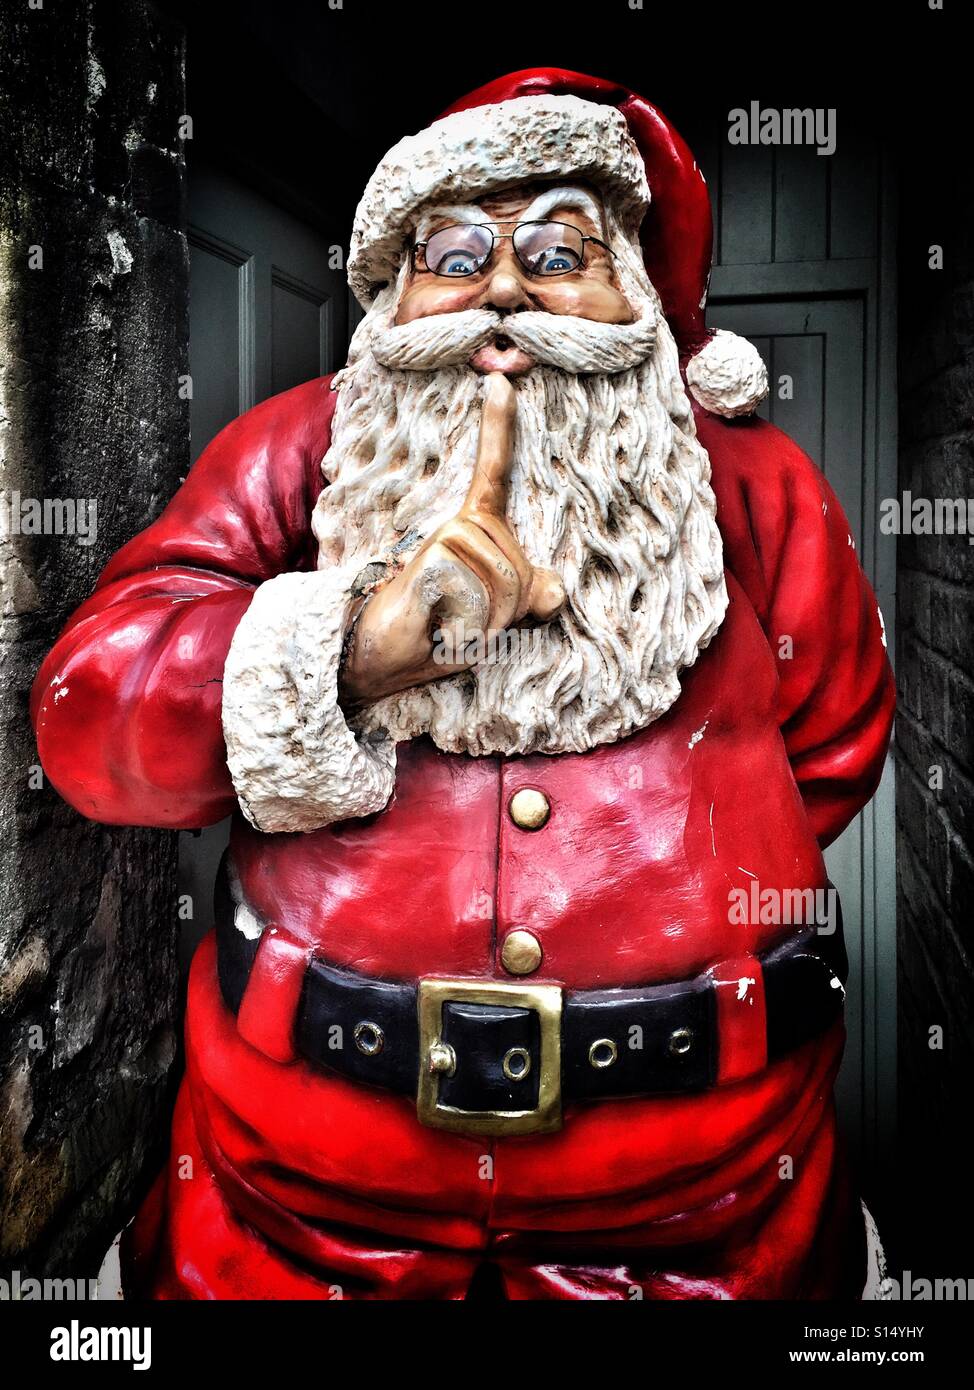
[495,449]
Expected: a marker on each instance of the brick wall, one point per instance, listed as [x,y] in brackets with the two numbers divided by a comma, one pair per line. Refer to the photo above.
[935,727]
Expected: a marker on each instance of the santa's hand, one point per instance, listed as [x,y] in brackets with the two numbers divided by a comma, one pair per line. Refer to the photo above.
[470,578]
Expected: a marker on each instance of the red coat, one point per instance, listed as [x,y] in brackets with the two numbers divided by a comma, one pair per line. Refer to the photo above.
[627,883]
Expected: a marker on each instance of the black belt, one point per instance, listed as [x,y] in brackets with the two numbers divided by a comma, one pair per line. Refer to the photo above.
[494,1058]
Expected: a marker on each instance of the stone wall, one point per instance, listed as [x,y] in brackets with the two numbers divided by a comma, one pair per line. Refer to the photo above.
[935,725]
[93,341]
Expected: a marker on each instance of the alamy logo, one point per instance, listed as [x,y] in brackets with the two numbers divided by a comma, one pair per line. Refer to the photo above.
[18,1289]
[925,516]
[755,906]
[911,1289]
[77,1343]
[460,645]
[767,125]
[49,516]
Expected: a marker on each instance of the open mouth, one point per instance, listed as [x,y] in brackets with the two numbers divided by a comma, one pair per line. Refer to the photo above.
[502,355]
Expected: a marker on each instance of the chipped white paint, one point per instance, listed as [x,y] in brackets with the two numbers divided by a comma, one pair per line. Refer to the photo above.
[245,919]
[696,737]
[97,82]
[19,593]
[743,985]
[109,1280]
[727,376]
[878,1284]
[247,922]
[122,258]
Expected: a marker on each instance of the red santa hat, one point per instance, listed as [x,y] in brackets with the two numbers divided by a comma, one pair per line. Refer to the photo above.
[547,123]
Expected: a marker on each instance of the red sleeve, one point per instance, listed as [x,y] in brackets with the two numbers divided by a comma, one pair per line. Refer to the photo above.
[127,705]
[788,543]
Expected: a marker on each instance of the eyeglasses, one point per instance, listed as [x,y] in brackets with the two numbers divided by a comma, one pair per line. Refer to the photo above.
[542,248]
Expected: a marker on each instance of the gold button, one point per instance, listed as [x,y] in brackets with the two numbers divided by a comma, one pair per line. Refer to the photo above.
[521,953]
[529,808]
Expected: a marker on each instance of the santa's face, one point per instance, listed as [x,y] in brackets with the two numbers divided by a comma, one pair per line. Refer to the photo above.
[534,248]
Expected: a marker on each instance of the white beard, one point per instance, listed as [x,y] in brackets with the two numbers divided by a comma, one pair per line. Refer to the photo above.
[610,488]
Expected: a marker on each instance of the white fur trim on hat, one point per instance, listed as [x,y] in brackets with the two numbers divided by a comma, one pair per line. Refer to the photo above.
[727,376]
[485,149]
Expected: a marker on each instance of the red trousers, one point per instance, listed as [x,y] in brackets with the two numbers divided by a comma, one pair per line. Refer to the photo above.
[289,1182]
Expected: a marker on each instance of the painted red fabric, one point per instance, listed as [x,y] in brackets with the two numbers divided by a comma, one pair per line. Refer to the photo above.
[303,1183]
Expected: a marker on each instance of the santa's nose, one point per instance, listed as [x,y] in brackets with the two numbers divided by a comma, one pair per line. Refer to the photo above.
[504,290]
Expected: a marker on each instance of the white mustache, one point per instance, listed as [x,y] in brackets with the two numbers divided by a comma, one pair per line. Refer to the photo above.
[553,340]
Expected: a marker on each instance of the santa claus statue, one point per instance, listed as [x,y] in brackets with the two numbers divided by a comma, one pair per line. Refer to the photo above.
[523,658]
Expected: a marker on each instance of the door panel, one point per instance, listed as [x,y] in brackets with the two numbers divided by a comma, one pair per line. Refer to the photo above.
[268,301]
[745,215]
[268,310]
[818,346]
[805,268]
[300,331]
[801,204]
[220,311]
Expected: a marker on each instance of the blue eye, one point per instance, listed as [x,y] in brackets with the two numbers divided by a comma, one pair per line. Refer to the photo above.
[454,263]
[458,251]
[555,260]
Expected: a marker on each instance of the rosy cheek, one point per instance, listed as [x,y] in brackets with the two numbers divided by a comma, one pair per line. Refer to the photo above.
[424,299]
[587,300]
[566,299]
[590,299]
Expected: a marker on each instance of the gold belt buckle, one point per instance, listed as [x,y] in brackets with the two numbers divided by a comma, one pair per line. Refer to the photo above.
[436,1057]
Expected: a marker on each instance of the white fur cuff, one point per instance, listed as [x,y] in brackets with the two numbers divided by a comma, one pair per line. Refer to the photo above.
[295,763]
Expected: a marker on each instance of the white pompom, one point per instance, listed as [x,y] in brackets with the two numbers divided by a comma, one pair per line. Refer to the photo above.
[727,376]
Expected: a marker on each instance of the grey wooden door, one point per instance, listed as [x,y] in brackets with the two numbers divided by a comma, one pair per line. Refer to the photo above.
[804,268]
[814,351]
[268,301]
[268,310]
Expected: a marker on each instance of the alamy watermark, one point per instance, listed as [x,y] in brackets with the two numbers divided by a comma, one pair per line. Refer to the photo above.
[925,516]
[77,1343]
[755,124]
[911,1289]
[49,516]
[465,646]
[755,906]
[21,1288]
